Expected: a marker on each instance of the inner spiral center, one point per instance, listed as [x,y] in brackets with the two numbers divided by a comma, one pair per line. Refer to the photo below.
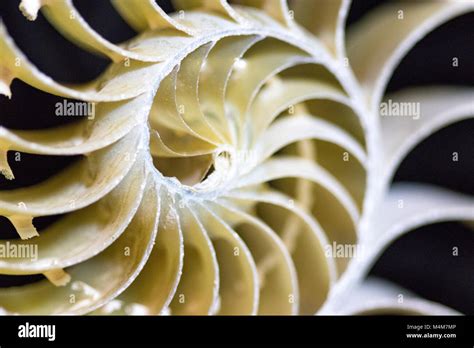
[197,171]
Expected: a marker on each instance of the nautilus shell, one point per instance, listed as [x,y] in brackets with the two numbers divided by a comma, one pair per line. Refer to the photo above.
[232,144]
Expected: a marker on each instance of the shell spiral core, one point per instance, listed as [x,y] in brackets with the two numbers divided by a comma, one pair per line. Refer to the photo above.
[231,148]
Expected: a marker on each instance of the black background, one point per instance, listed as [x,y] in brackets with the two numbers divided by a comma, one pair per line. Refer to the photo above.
[421,261]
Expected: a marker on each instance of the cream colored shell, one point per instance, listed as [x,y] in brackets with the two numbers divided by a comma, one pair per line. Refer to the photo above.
[268,95]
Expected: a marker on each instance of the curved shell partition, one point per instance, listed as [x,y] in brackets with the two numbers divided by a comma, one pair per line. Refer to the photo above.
[234,144]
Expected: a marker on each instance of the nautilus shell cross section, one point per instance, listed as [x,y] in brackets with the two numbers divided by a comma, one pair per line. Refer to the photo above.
[233,144]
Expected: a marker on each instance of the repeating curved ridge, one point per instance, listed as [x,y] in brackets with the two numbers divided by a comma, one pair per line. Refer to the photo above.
[232,146]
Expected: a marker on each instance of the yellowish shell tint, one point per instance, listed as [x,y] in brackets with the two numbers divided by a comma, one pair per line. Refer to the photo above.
[235,147]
